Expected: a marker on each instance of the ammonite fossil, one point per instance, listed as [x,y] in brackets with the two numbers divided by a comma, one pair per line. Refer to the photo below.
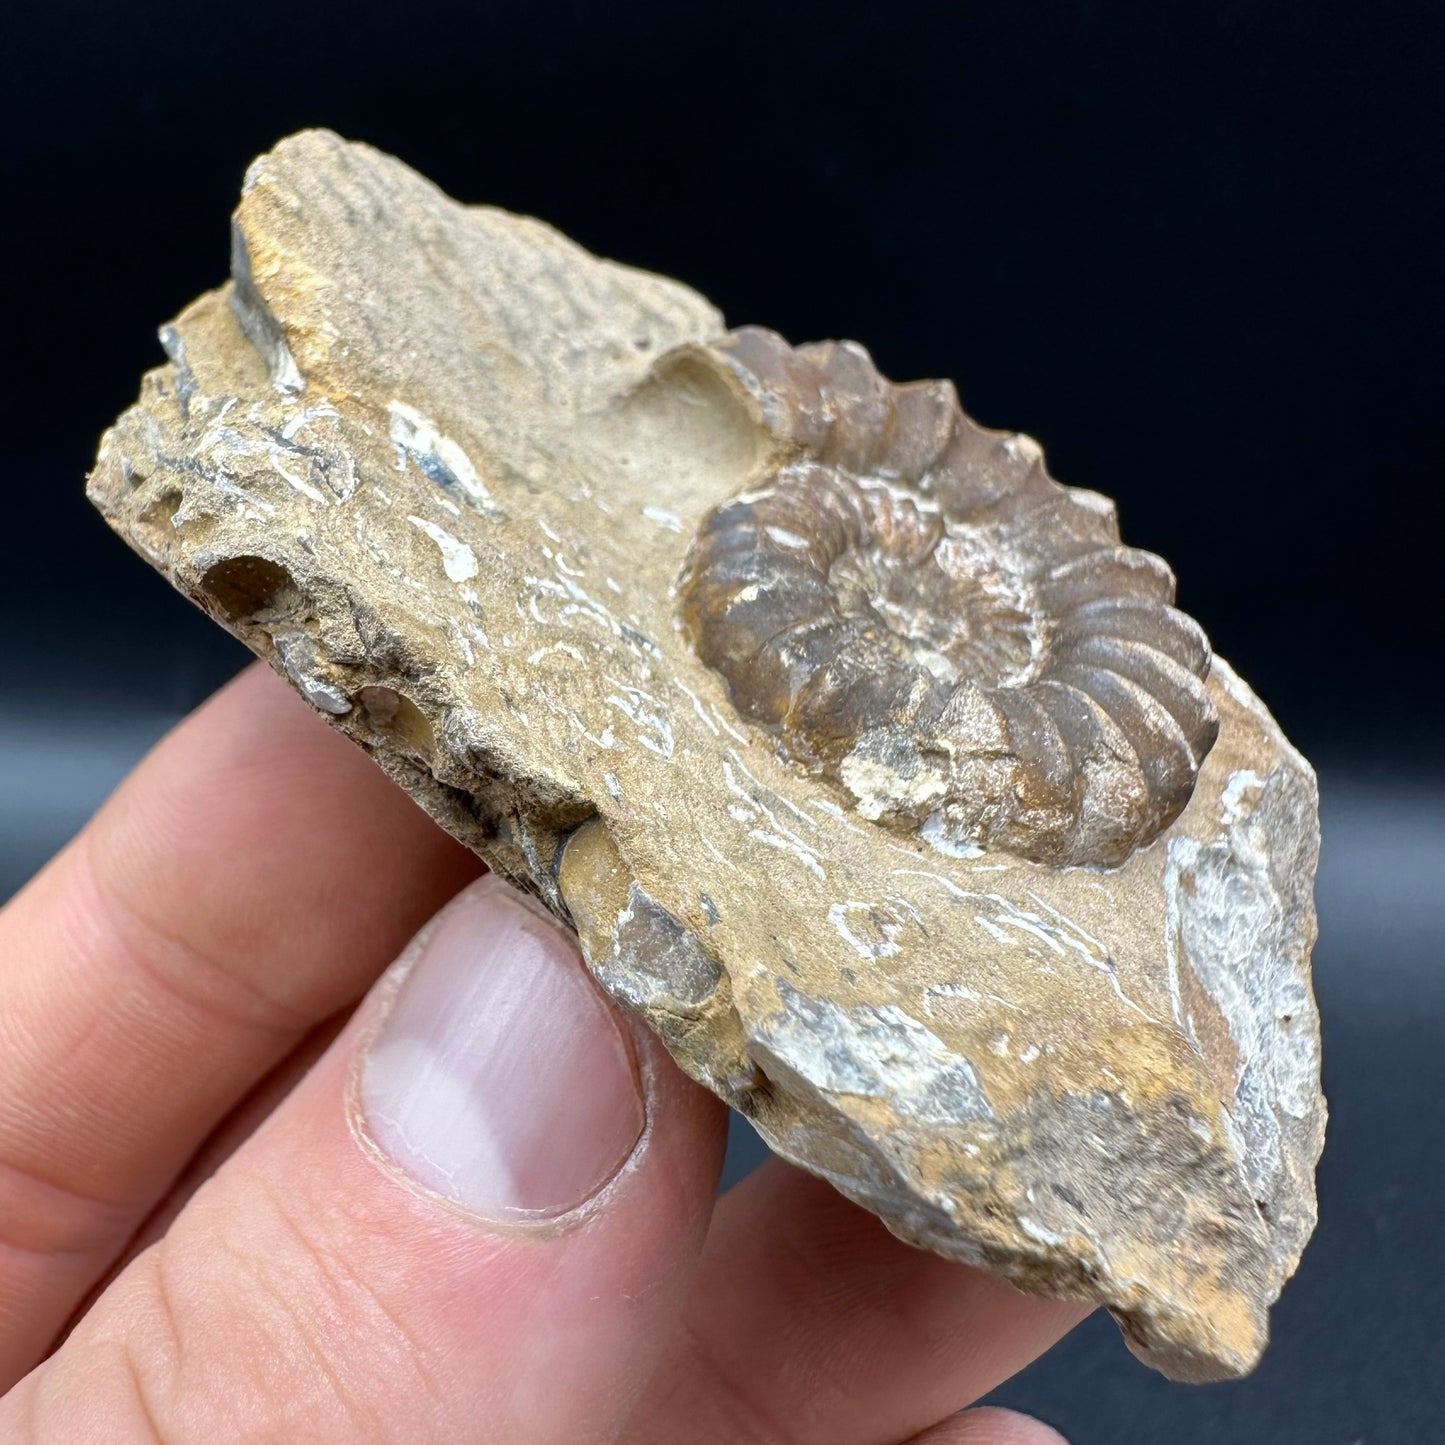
[875,776]
[921,612]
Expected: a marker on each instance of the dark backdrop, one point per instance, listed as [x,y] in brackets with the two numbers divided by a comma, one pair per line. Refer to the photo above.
[1194,250]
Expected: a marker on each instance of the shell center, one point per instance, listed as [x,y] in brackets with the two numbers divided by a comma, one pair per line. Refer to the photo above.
[954,611]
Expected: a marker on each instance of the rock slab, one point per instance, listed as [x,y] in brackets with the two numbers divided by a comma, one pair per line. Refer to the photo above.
[442,468]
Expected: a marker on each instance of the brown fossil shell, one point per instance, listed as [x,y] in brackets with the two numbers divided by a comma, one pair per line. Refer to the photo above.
[919,611]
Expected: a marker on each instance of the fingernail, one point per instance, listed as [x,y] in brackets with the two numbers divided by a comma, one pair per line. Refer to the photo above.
[500,1078]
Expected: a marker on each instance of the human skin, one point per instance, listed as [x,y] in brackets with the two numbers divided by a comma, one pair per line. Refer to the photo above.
[268,1171]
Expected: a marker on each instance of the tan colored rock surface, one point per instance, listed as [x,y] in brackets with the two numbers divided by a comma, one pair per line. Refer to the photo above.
[443,469]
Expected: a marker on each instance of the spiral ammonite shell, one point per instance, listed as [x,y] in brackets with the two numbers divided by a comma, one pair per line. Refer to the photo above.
[920,612]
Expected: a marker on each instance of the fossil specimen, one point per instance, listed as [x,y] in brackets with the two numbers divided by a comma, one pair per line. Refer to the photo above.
[937,623]
[874,774]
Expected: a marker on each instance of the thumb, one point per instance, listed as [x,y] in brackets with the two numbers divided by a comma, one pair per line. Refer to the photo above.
[474,1220]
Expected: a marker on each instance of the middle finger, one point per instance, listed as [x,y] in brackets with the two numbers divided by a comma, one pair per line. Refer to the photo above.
[809,1322]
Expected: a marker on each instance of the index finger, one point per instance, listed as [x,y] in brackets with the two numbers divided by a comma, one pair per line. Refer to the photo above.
[249,879]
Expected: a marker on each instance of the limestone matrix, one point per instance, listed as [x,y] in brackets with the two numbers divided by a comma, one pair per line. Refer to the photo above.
[1012,947]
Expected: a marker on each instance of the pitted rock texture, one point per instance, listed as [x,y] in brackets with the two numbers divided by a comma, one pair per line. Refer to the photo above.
[443,469]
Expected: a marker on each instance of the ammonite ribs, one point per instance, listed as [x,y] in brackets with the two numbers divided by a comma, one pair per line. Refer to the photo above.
[922,613]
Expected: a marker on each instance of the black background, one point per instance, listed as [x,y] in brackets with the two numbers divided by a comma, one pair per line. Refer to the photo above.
[1193,250]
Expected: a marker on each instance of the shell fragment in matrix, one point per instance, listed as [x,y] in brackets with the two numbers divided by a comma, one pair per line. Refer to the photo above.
[875,773]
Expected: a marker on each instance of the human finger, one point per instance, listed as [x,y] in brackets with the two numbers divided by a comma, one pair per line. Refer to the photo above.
[809,1322]
[473,1221]
[220,1144]
[990,1426]
[250,878]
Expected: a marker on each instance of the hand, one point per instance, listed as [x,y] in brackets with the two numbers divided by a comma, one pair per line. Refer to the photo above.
[476,1206]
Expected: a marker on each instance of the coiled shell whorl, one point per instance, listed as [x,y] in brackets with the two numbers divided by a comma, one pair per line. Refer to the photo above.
[917,610]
